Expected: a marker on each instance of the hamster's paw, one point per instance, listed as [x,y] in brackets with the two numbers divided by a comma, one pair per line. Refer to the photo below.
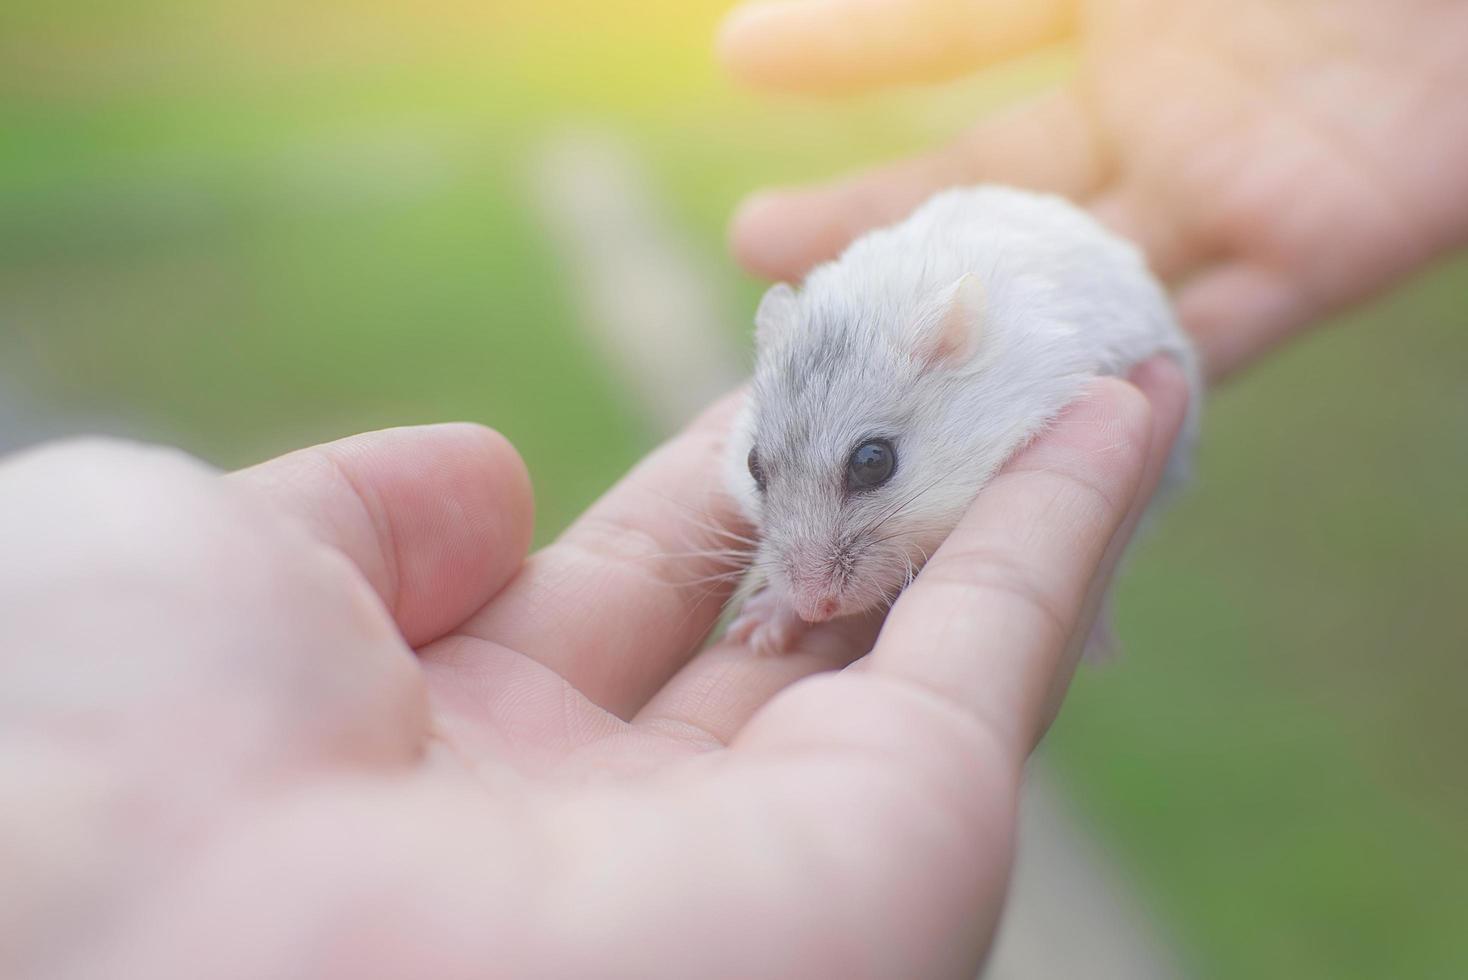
[766,625]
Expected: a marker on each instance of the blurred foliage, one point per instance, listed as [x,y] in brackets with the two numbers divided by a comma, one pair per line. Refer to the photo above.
[241,227]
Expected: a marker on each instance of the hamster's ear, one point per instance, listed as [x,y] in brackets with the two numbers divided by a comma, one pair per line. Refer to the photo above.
[776,314]
[956,330]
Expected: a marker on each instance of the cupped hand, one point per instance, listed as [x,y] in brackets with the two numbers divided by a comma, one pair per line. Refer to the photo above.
[1276,161]
[323,718]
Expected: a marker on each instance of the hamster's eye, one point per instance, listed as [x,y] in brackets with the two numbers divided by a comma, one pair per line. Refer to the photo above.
[871,465]
[756,471]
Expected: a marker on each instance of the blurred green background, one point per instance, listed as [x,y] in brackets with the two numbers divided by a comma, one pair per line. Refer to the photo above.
[242,227]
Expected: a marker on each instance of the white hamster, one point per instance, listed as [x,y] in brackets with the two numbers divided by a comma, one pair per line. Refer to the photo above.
[902,375]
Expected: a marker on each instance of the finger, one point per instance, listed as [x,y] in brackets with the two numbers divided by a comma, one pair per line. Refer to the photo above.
[721,689]
[1173,249]
[834,46]
[1047,144]
[621,600]
[1237,312]
[1162,380]
[988,623]
[436,518]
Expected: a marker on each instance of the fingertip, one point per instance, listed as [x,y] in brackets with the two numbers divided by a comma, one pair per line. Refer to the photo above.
[1158,375]
[1166,386]
[1114,418]
[763,238]
[836,47]
[1122,397]
[781,45]
[737,45]
[473,494]
[1104,435]
[498,480]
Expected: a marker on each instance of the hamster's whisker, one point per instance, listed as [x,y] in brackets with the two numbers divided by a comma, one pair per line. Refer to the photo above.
[902,505]
[731,568]
[713,582]
[721,553]
[723,573]
[723,533]
[703,597]
[896,509]
[899,534]
[705,521]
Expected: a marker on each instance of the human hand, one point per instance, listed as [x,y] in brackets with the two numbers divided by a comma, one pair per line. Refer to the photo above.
[1275,161]
[321,717]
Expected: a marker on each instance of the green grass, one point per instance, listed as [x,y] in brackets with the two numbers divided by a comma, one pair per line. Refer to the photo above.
[248,228]
[1281,752]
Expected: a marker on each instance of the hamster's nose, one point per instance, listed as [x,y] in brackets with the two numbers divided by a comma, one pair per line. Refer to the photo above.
[818,608]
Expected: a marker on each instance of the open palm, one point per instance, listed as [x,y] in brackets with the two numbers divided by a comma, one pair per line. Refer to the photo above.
[323,718]
[1274,160]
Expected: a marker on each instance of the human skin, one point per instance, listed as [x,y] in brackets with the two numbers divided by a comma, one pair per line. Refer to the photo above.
[1276,161]
[323,717]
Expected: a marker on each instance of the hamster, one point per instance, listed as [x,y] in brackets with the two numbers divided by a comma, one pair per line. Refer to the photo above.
[902,375]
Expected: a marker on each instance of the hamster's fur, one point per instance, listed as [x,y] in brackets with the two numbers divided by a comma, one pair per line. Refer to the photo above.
[956,335]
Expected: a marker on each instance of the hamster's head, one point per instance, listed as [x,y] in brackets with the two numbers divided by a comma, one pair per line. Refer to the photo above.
[853,457]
